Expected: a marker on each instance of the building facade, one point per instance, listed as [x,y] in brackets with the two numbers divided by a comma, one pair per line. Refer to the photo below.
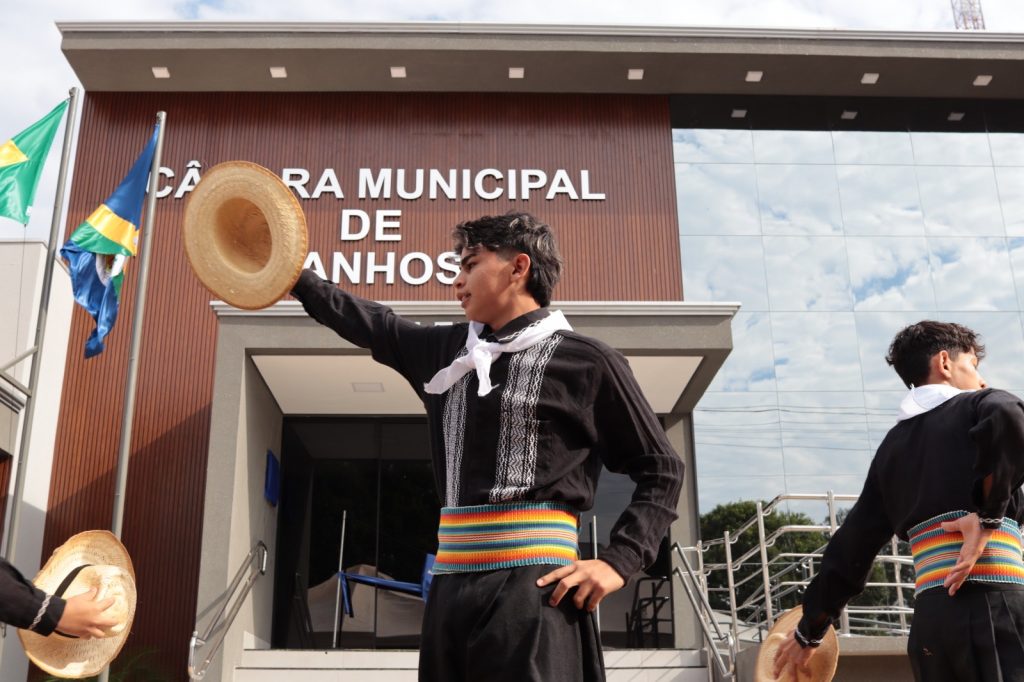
[830,186]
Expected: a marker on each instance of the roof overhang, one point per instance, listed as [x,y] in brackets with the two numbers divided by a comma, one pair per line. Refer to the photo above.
[674,350]
[460,57]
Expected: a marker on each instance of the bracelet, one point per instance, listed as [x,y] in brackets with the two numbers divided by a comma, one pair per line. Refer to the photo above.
[990,523]
[805,641]
[39,615]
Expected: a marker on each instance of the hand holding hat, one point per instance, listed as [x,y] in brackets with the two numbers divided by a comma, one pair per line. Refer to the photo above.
[245,234]
[819,666]
[94,573]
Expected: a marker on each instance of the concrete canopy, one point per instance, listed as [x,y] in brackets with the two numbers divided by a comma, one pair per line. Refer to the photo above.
[459,57]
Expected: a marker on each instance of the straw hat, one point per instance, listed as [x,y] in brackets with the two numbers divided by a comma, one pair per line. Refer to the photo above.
[245,234]
[108,568]
[822,664]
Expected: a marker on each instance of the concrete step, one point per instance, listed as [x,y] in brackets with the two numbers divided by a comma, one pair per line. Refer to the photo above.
[632,665]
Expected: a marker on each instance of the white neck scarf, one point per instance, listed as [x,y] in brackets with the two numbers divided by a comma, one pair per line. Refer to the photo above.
[921,399]
[480,354]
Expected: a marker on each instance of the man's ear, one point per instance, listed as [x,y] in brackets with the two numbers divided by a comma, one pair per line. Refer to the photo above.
[942,363]
[520,265]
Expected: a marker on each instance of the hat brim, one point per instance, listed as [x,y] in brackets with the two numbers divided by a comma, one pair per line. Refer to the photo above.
[822,664]
[245,234]
[68,657]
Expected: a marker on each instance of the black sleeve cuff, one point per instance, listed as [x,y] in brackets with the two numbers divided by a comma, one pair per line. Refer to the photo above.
[807,635]
[307,279]
[622,559]
[51,616]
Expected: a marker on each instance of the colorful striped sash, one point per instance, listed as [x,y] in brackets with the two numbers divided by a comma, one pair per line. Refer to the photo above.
[488,537]
[936,552]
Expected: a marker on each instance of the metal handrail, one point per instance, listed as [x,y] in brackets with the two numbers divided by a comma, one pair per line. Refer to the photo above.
[705,615]
[787,573]
[258,556]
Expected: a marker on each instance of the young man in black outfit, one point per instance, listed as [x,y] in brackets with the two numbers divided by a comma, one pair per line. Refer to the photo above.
[946,478]
[523,412]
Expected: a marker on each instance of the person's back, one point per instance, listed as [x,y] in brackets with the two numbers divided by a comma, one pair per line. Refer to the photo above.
[937,452]
[946,478]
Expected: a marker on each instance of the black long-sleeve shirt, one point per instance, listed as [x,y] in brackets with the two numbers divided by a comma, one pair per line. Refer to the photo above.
[927,465]
[21,601]
[559,410]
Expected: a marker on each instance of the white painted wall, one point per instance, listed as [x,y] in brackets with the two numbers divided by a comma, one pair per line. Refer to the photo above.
[22,267]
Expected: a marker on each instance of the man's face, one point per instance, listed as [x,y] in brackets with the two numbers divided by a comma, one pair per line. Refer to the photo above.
[964,372]
[484,285]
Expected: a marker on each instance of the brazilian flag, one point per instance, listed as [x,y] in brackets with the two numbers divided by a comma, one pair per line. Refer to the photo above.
[98,250]
[21,163]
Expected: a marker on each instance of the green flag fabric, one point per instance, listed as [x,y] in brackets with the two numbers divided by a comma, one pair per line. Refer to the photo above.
[21,163]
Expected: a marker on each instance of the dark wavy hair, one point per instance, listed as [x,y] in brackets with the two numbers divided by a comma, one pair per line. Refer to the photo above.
[514,233]
[913,347]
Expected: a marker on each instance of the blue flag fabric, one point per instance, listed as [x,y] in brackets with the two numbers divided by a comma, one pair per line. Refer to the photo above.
[98,250]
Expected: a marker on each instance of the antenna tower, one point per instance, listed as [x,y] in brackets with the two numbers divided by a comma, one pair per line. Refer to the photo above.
[967,15]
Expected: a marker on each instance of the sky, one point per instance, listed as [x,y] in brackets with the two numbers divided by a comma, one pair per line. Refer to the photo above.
[40,77]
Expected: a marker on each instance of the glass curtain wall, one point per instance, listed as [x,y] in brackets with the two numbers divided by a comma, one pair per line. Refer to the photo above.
[833,241]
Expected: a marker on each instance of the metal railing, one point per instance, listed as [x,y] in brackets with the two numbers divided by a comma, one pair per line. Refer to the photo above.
[219,626]
[770,582]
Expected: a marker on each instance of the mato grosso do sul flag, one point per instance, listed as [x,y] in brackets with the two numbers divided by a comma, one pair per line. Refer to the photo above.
[21,163]
[99,248]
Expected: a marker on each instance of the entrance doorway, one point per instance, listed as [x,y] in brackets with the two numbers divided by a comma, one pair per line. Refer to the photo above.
[374,473]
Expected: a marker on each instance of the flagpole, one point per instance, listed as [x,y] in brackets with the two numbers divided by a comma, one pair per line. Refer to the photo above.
[21,464]
[128,416]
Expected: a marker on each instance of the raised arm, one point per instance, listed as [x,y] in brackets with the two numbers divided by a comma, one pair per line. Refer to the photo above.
[412,350]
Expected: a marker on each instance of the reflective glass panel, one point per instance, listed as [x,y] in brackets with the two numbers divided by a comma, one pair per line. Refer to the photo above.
[882,200]
[864,147]
[719,490]
[875,331]
[750,366]
[793,146]
[799,199]
[890,273]
[724,269]
[882,408]
[1007,148]
[712,146]
[960,201]
[972,274]
[824,432]
[737,432]
[816,352]
[715,199]
[1011,195]
[1017,263]
[807,273]
[951,149]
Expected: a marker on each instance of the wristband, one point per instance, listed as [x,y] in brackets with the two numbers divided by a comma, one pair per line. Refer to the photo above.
[805,641]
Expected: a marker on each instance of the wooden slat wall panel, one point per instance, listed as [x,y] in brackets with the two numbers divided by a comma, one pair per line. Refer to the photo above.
[623,248]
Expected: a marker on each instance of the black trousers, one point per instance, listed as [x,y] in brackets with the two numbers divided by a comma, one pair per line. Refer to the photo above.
[975,636]
[498,625]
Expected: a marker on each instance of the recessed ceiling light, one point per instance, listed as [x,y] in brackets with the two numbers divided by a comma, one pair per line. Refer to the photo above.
[739,113]
[161,72]
[848,115]
[278,72]
[367,387]
[983,80]
[869,79]
[955,116]
[398,72]
[635,75]
[516,72]
[754,76]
